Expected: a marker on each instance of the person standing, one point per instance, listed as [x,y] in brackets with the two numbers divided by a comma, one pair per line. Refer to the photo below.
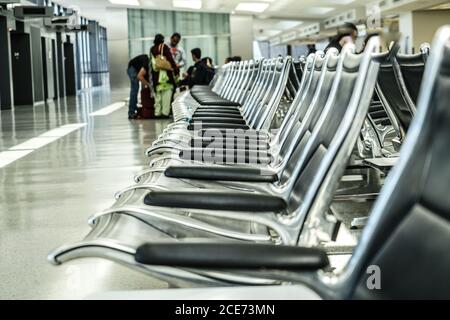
[138,70]
[348,33]
[199,73]
[163,79]
[178,53]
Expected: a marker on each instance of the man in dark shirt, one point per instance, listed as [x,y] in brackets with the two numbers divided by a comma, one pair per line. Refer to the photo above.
[198,74]
[138,70]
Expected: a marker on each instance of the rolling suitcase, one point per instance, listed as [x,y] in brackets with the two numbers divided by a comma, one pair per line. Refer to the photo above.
[148,104]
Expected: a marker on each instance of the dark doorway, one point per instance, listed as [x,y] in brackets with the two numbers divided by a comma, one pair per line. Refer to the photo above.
[44,67]
[69,67]
[21,68]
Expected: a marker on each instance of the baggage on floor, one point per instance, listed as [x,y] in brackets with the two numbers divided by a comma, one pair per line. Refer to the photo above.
[148,104]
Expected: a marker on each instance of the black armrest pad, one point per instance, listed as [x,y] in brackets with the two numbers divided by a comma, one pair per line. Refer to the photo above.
[218,120]
[217,126]
[232,256]
[219,102]
[221,156]
[216,201]
[235,112]
[236,143]
[233,133]
[220,174]
[201,116]
[222,108]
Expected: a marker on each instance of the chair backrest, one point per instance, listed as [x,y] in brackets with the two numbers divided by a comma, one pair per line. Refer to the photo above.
[261,85]
[331,142]
[229,80]
[408,233]
[398,86]
[303,90]
[281,97]
[412,68]
[254,70]
[271,96]
[288,96]
[309,110]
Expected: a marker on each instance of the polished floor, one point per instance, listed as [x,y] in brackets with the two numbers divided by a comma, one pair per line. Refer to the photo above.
[47,196]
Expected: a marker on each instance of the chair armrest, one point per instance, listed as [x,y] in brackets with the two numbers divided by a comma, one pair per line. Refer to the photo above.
[247,202]
[232,256]
[220,174]
[236,143]
[228,156]
[214,120]
[382,164]
[193,127]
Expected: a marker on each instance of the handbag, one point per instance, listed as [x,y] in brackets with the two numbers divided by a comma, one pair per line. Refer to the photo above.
[161,63]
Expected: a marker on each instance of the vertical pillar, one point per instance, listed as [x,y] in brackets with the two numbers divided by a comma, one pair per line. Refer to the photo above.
[94,37]
[60,66]
[36,56]
[5,74]
[241,28]
[406,29]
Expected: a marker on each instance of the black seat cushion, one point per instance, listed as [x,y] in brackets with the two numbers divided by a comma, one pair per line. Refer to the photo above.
[212,98]
[216,201]
[220,174]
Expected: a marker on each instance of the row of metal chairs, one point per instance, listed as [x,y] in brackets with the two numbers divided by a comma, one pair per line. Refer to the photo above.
[241,188]
[395,99]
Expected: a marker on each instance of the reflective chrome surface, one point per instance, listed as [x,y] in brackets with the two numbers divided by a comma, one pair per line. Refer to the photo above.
[47,196]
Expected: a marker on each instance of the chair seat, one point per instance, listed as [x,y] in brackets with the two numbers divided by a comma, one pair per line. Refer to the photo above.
[212,99]
[216,201]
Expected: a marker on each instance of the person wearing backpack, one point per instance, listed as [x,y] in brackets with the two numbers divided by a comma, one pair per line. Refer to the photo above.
[199,73]
[164,73]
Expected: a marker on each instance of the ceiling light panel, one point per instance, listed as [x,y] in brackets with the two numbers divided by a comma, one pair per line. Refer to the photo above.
[126,2]
[187,4]
[317,10]
[256,7]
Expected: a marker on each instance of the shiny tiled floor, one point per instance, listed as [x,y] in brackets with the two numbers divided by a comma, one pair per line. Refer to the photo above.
[47,196]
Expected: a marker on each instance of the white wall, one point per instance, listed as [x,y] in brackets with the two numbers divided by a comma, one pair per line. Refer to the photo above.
[241,28]
[406,29]
[426,23]
[117,26]
[418,27]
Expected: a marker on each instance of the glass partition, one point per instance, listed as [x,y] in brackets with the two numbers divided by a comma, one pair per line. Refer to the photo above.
[207,31]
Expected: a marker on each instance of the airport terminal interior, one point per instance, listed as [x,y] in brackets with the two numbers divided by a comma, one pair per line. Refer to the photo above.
[224,149]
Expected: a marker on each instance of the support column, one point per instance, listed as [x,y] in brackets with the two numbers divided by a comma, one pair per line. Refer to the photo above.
[60,66]
[5,60]
[241,28]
